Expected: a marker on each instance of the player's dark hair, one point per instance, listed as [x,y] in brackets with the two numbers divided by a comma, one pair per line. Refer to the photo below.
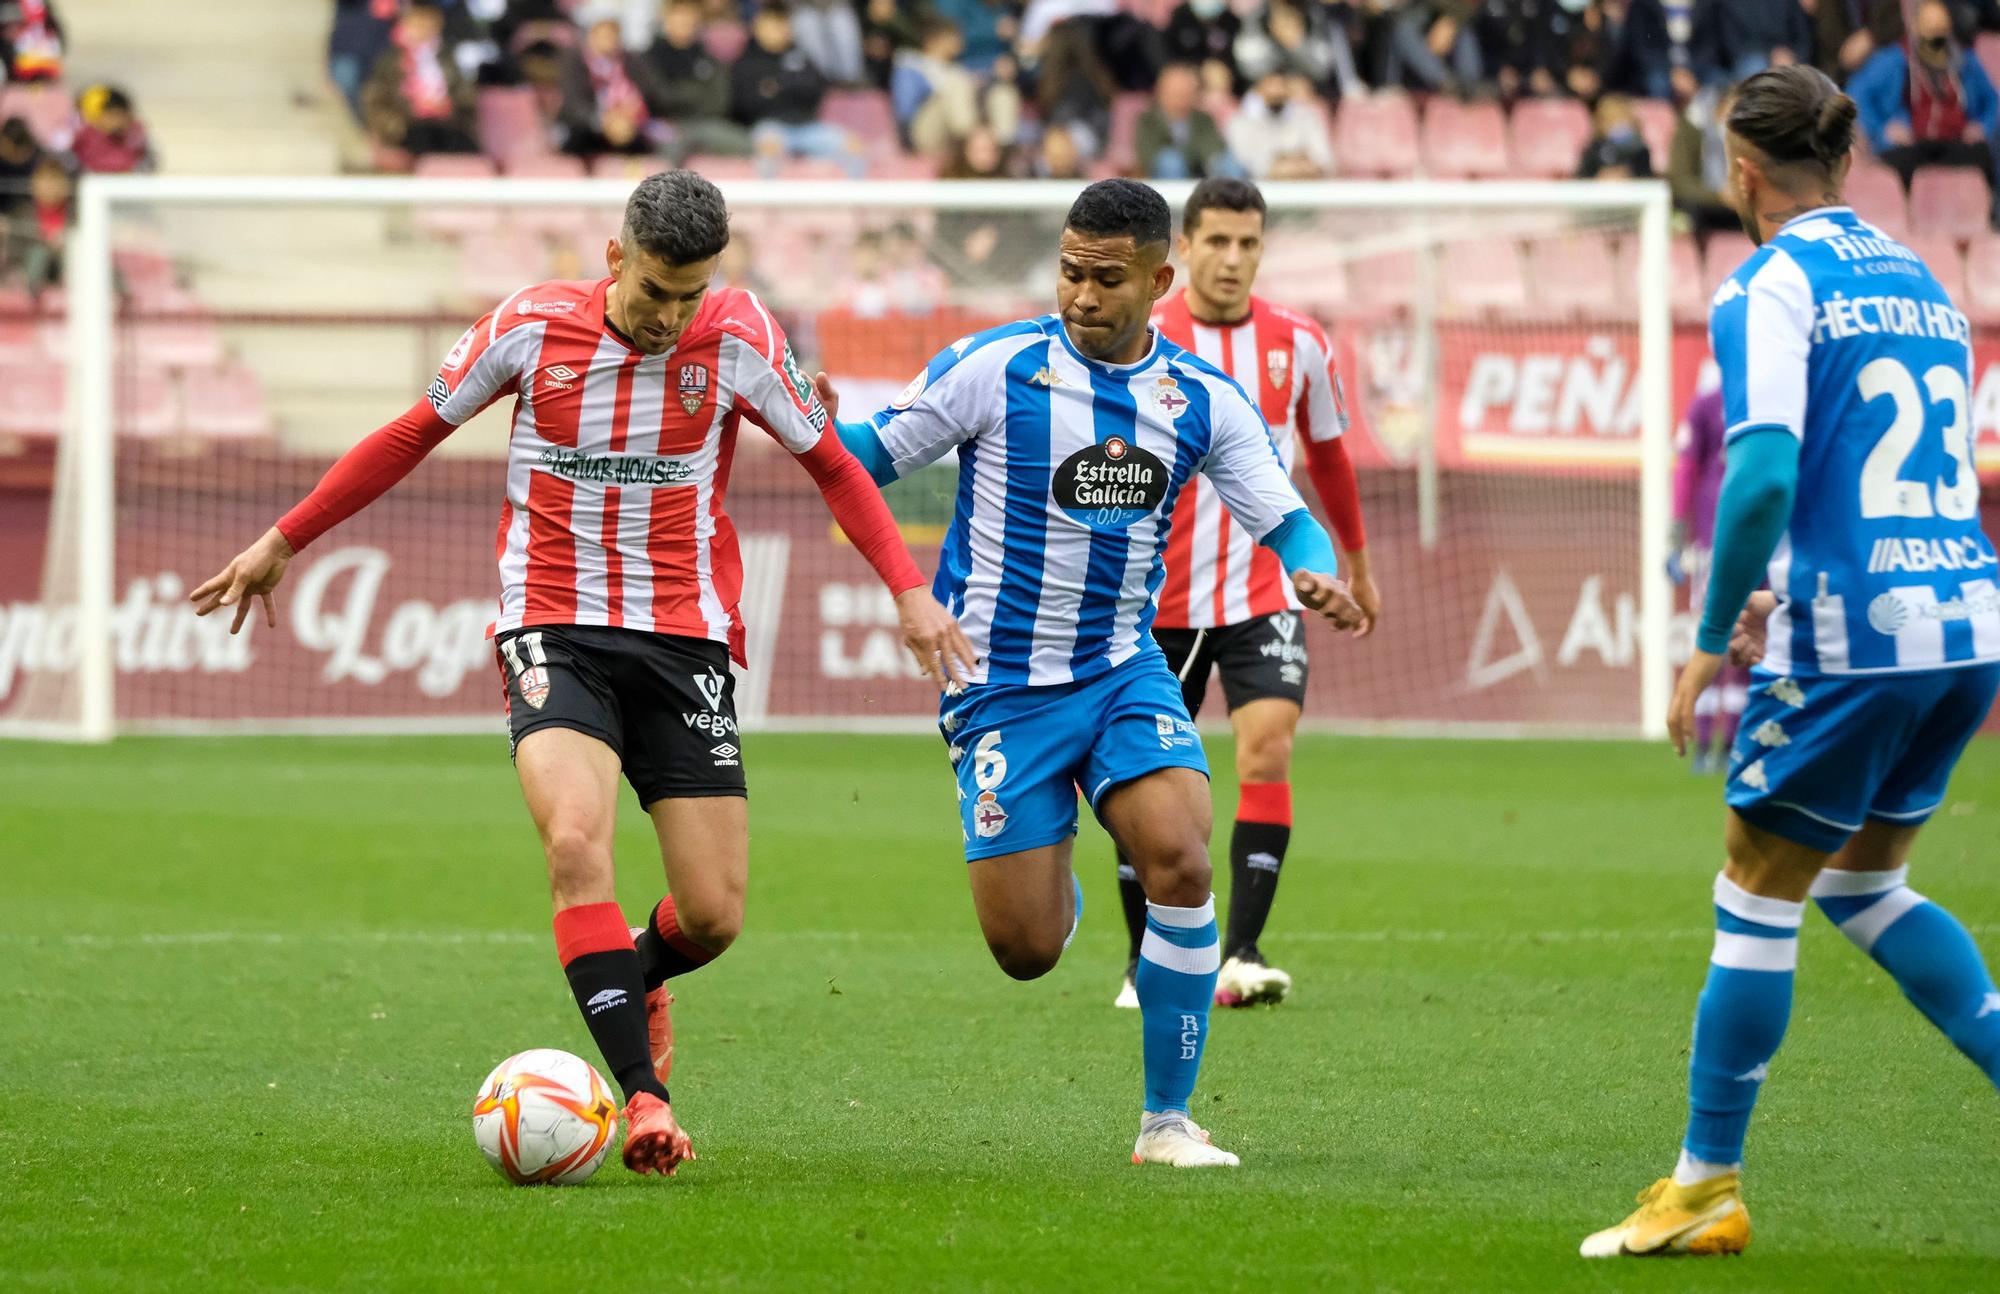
[677,216]
[1121,209]
[1794,116]
[1220,193]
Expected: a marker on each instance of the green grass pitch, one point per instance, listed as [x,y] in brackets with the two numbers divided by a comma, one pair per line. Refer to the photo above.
[249,987]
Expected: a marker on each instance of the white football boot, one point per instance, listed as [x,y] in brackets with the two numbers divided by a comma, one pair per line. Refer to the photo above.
[1172,1138]
[1128,993]
[1244,982]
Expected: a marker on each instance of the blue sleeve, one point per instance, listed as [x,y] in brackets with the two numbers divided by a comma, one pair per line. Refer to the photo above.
[1751,514]
[1981,103]
[864,444]
[1302,544]
[1877,88]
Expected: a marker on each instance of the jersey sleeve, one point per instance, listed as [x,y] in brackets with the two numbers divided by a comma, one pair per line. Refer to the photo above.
[772,388]
[485,363]
[1760,328]
[1243,463]
[1322,407]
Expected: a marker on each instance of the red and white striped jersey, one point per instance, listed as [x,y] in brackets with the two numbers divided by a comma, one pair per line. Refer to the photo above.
[1216,573]
[618,461]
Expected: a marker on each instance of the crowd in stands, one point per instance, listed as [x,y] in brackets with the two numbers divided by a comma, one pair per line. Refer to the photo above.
[50,133]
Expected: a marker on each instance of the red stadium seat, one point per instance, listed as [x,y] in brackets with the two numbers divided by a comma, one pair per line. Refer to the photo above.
[1122,150]
[1940,252]
[1876,194]
[455,166]
[1578,273]
[455,222]
[1548,137]
[173,343]
[510,123]
[34,403]
[496,263]
[1950,200]
[865,114]
[1723,256]
[617,166]
[902,166]
[20,340]
[1685,277]
[1386,282]
[723,168]
[1482,278]
[1658,119]
[1982,279]
[144,403]
[223,402]
[47,109]
[1465,140]
[1376,136]
[545,166]
[811,168]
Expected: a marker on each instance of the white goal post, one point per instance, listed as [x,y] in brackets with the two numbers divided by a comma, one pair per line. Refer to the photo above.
[1521,435]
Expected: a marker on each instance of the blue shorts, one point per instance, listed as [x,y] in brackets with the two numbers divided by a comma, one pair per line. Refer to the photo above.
[1815,758]
[1021,753]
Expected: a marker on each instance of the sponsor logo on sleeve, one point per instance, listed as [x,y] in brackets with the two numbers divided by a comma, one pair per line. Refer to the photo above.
[908,395]
[455,358]
[439,393]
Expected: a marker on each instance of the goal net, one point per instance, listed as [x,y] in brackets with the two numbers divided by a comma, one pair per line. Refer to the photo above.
[1509,352]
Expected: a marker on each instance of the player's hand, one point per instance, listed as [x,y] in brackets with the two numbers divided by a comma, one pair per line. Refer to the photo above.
[251,574]
[1702,667]
[1366,596]
[1330,597]
[827,395]
[934,638]
[1746,640]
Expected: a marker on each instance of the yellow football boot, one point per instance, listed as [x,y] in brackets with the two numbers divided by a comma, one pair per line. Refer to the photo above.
[1706,1218]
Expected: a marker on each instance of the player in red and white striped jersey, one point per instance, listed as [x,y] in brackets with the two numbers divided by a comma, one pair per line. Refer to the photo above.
[619,577]
[1226,604]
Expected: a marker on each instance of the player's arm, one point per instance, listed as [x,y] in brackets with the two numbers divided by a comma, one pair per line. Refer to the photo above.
[482,366]
[1253,484]
[1322,422]
[941,408]
[775,395]
[1762,337]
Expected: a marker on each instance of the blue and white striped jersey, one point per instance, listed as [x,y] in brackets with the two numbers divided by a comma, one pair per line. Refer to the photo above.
[1837,333]
[1068,473]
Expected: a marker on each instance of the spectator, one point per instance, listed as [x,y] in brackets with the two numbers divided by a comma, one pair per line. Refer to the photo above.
[1204,33]
[937,102]
[1283,38]
[1848,32]
[1432,43]
[1635,54]
[1058,158]
[51,212]
[1737,38]
[878,287]
[688,88]
[887,28]
[604,99]
[361,32]
[1073,88]
[416,99]
[32,38]
[1278,133]
[111,139]
[987,25]
[1680,48]
[1931,106]
[1617,149]
[986,248]
[829,31]
[776,91]
[1698,167]
[1176,139]
[20,154]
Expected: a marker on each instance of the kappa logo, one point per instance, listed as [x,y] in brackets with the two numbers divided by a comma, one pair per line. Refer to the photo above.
[725,755]
[958,347]
[709,684]
[560,376]
[1753,776]
[1278,367]
[1770,733]
[1046,376]
[1728,292]
[1788,691]
[694,387]
[988,818]
[604,999]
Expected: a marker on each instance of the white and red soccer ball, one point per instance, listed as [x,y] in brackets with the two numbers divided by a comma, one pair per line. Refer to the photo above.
[544,1117]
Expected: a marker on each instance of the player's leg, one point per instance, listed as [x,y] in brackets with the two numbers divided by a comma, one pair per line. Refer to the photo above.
[1190,656]
[1027,906]
[1864,890]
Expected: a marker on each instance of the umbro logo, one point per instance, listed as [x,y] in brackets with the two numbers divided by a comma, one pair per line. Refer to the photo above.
[604,999]
[560,376]
[1262,862]
[725,755]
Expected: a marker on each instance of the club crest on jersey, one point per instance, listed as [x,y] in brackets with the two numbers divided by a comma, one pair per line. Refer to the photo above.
[1278,367]
[694,387]
[535,686]
[1167,397]
[988,818]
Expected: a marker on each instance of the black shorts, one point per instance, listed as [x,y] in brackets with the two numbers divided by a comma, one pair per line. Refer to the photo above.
[1259,659]
[665,703]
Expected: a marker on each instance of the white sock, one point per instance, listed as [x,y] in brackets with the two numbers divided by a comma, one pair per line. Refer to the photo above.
[1692,1172]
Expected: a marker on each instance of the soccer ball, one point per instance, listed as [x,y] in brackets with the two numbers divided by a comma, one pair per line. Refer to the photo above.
[544,1116]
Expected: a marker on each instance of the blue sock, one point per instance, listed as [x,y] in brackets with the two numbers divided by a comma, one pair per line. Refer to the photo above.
[1926,951]
[1741,1017]
[1176,985]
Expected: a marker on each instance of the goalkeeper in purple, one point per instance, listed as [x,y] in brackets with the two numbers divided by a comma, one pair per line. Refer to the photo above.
[1075,433]
[1850,486]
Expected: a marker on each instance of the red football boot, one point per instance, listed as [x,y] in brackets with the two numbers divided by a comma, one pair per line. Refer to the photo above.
[654,1143]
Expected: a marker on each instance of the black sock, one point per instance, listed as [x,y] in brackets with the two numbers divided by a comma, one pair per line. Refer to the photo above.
[664,951]
[1256,852]
[1133,896]
[610,991]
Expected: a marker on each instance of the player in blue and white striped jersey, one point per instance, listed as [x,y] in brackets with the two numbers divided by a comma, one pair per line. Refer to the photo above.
[1850,486]
[1075,433]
